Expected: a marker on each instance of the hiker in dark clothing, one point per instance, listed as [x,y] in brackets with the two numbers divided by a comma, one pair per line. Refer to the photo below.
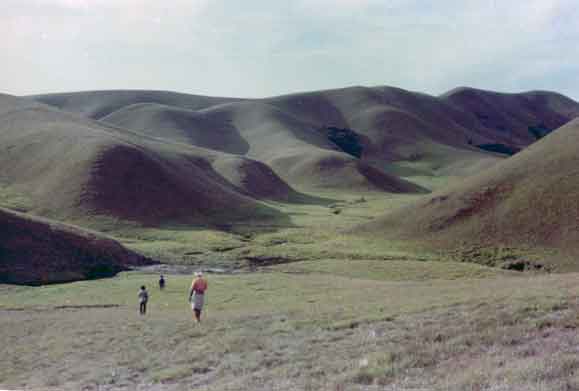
[161,282]
[143,298]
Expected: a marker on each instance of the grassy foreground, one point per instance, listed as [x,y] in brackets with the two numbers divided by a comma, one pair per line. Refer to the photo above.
[332,325]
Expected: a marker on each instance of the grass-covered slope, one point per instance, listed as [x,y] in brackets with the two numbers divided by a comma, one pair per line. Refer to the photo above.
[207,129]
[298,151]
[40,251]
[70,167]
[529,199]
[387,115]
[439,135]
[513,119]
[390,131]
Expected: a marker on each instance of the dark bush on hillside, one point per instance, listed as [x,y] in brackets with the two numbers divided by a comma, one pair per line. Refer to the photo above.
[102,270]
[346,139]
[522,265]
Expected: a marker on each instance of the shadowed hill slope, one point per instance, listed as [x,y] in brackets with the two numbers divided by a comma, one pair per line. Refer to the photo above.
[515,119]
[73,167]
[257,180]
[530,199]
[387,116]
[40,251]
[403,124]
[397,126]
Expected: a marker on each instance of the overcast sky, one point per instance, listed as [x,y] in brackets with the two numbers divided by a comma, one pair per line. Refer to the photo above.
[255,48]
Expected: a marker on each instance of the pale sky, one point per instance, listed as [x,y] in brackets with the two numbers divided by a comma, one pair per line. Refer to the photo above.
[257,48]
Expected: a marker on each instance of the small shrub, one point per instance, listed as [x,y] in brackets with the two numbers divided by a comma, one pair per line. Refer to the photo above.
[346,139]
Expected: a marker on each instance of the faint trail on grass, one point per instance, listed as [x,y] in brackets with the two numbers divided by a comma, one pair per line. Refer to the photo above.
[33,309]
[86,306]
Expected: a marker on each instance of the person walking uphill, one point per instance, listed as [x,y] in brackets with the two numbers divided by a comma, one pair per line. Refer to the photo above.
[197,293]
[143,298]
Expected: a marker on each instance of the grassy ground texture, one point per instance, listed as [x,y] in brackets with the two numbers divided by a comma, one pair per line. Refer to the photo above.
[324,326]
[315,232]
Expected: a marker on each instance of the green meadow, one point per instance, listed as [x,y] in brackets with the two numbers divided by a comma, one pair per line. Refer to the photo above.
[304,326]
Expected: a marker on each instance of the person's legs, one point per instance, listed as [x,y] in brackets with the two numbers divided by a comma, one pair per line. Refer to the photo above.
[142,308]
[197,315]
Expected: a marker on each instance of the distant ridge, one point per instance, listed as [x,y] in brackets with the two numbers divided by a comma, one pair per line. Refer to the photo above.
[287,132]
[97,104]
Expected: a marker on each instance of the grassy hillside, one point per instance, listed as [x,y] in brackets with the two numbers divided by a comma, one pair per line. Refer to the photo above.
[69,167]
[296,150]
[210,129]
[389,117]
[517,119]
[39,251]
[447,134]
[529,200]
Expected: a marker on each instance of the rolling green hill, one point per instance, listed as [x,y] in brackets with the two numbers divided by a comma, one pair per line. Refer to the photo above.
[70,167]
[528,200]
